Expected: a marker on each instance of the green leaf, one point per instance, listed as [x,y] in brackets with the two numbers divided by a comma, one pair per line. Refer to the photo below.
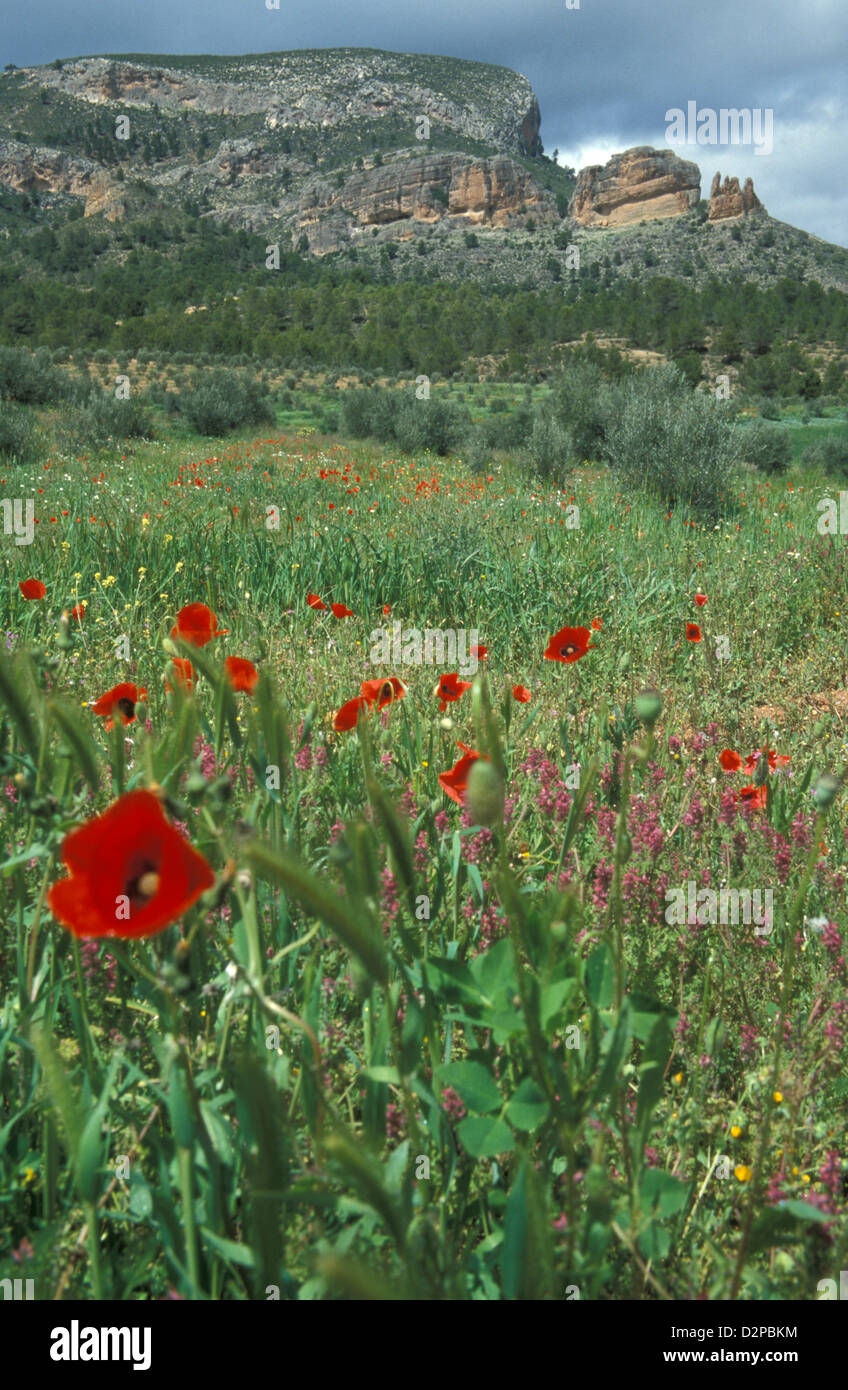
[179,1105]
[484,1137]
[89,1155]
[454,982]
[528,1107]
[141,1198]
[527,1251]
[229,1249]
[782,1224]
[76,736]
[494,970]
[553,998]
[389,1076]
[474,1083]
[662,1193]
[600,976]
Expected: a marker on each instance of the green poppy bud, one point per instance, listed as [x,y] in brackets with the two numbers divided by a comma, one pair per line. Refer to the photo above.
[824,792]
[485,797]
[649,706]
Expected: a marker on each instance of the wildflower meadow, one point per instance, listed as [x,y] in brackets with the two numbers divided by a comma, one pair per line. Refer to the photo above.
[324,978]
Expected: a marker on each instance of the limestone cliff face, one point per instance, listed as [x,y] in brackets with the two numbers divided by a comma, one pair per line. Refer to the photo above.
[494,192]
[642,183]
[33,169]
[320,88]
[728,200]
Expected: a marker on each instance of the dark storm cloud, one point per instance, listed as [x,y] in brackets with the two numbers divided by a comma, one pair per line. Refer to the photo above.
[605,73]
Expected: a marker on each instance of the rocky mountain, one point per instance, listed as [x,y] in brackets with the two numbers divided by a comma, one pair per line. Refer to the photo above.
[376,158]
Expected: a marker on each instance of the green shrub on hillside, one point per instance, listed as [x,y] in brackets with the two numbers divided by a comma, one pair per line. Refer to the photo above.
[830,454]
[17,434]
[29,378]
[225,402]
[95,418]
[399,417]
[766,446]
[676,443]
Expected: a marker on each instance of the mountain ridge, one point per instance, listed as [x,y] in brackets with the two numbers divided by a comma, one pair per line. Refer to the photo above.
[380,158]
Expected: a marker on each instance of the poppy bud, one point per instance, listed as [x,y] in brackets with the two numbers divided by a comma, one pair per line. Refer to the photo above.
[141,711]
[649,705]
[625,848]
[485,795]
[824,792]
[168,647]
[360,980]
[762,771]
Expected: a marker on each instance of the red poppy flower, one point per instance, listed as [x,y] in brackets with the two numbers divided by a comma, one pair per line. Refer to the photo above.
[521,694]
[569,644]
[183,674]
[387,610]
[597,624]
[78,612]
[693,632]
[131,872]
[730,761]
[197,624]
[32,588]
[315,602]
[383,691]
[241,673]
[775,760]
[122,699]
[480,653]
[340,610]
[454,783]
[753,796]
[700,599]
[450,689]
[350,713]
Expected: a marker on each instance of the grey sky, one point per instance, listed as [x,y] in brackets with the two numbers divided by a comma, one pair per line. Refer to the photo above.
[605,73]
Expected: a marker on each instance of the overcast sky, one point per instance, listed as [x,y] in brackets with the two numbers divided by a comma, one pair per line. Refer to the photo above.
[605,74]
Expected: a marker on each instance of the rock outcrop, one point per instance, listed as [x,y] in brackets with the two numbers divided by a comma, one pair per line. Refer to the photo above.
[728,200]
[638,185]
[34,169]
[452,188]
[321,88]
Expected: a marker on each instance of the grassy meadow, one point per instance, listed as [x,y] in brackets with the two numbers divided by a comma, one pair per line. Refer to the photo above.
[403,1037]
